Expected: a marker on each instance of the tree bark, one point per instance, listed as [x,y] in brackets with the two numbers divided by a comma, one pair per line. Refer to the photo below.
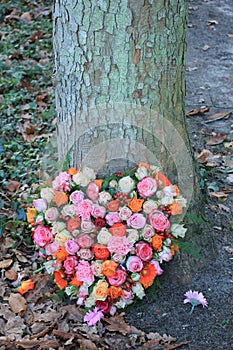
[120,86]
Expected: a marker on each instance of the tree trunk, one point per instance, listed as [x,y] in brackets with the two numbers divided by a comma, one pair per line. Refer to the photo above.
[120,86]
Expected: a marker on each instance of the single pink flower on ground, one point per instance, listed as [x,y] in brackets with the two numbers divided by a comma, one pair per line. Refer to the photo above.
[195,298]
[93,316]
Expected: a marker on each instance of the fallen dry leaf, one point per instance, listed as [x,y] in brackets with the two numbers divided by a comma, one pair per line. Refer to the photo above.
[85,344]
[4,264]
[217,116]
[190,69]
[212,21]
[17,303]
[219,195]
[208,158]
[26,17]
[41,344]
[216,139]
[195,111]
[13,185]
[230,35]
[117,324]
[11,275]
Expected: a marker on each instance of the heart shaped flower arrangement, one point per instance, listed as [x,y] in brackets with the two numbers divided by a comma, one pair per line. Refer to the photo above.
[104,240]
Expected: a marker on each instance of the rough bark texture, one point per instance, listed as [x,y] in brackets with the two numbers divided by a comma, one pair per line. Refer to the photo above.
[120,81]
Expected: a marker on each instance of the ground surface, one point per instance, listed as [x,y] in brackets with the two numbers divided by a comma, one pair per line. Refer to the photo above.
[39,322]
[209,83]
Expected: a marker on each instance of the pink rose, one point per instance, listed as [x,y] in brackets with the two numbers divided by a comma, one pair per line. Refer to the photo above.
[71,246]
[149,206]
[84,209]
[40,204]
[98,211]
[144,251]
[51,214]
[85,254]
[119,245]
[136,221]
[147,187]
[51,248]
[87,226]
[62,182]
[84,240]
[85,272]
[92,191]
[165,255]
[118,279]
[125,213]
[42,235]
[158,220]
[112,218]
[134,264]
[76,197]
[148,232]
[158,269]
[70,264]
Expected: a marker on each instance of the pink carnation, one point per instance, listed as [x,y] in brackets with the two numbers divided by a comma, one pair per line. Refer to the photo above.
[42,235]
[119,245]
[62,182]
[84,209]
[112,218]
[85,271]
[147,187]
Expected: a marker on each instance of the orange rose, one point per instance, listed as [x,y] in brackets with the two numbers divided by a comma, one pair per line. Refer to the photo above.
[61,254]
[157,242]
[176,208]
[109,268]
[60,282]
[75,282]
[162,180]
[72,171]
[31,213]
[113,205]
[146,165]
[25,286]
[148,274]
[118,229]
[100,251]
[115,292]
[73,223]
[60,198]
[136,204]
[98,182]
[100,291]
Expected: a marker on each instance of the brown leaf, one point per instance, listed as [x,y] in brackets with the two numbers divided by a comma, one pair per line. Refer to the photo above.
[4,264]
[230,35]
[20,256]
[17,303]
[85,344]
[117,324]
[219,195]
[195,111]
[216,139]
[218,116]
[15,326]
[42,344]
[13,185]
[31,138]
[26,17]
[208,158]
[11,275]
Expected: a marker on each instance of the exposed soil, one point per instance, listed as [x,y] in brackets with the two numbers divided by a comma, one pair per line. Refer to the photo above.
[209,83]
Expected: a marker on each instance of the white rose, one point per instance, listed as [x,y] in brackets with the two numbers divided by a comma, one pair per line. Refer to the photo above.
[125,213]
[90,301]
[68,210]
[149,206]
[182,201]
[104,197]
[87,226]
[170,191]
[138,290]
[132,235]
[135,276]
[47,193]
[51,214]
[166,200]
[141,173]
[98,268]
[84,177]
[126,184]
[62,237]
[103,236]
[113,183]
[178,230]
[58,226]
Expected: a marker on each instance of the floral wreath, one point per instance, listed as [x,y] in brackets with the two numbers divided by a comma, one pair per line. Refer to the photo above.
[104,239]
